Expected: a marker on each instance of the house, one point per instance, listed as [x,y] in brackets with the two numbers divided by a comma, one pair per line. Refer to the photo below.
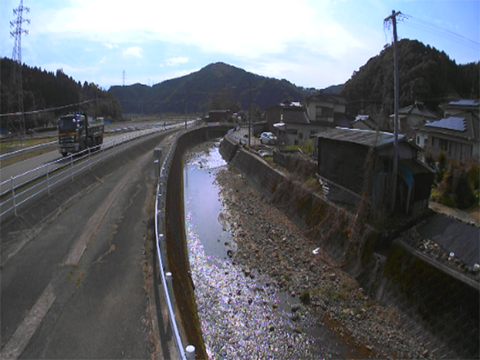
[460,106]
[364,122]
[345,161]
[295,123]
[326,110]
[218,115]
[455,135]
[411,117]
[289,121]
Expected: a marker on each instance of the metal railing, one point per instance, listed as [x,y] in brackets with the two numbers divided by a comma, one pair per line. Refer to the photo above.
[27,150]
[187,352]
[21,188]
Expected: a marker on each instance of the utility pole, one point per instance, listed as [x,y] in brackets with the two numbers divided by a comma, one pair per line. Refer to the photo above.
[393,18]
[185,104]
[17,64]
[249,112]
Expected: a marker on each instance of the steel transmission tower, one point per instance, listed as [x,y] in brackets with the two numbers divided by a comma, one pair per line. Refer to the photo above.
[18,122]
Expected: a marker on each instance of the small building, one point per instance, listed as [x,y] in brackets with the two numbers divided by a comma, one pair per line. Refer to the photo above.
[362,161]
[455,135]
[411,117]
[464,105]
[364,122]
[218,116]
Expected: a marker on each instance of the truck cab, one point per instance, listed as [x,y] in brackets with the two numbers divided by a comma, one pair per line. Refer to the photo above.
[76,132]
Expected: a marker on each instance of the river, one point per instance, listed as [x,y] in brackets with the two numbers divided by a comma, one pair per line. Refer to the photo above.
[242,315]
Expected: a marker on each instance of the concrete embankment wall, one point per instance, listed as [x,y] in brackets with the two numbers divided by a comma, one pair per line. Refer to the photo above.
[334,229]
[433,294]
[177,250]
[442,301]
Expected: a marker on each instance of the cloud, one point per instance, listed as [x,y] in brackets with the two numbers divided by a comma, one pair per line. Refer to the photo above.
[110,46]
[133,51]
[176,61]
[272,25]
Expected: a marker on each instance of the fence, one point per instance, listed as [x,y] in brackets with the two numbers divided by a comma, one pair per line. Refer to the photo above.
[20,189]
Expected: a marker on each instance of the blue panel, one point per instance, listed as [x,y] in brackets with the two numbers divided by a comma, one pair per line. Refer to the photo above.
[451,123]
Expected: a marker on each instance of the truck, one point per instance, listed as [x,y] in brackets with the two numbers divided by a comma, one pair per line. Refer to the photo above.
[77,131]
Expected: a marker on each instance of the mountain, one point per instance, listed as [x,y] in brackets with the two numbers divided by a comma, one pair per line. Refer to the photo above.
[216,86]
[425,74]
[333,89]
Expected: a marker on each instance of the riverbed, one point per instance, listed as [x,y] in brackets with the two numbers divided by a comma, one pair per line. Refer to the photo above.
[243,314]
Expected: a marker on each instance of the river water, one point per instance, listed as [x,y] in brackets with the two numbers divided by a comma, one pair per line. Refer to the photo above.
[242,315]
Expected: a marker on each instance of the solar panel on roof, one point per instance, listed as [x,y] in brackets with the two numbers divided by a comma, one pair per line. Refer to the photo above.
[450,123]
[465,102]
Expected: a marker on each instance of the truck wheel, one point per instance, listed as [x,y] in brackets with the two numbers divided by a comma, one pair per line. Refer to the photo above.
[64,154]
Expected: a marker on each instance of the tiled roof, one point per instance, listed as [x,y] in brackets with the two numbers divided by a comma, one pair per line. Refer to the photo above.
[294,116]
[367,120]
[361,137]
[320,96]
[417,109]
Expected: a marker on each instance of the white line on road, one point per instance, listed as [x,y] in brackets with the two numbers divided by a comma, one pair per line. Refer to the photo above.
[27,328]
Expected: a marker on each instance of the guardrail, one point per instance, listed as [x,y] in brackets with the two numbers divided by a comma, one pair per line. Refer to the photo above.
[23,187]
[26,150]
[187,352]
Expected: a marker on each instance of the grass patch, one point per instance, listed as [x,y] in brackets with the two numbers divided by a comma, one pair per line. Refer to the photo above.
[79,277]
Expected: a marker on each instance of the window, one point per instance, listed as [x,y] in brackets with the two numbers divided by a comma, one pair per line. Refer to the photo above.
[323,113]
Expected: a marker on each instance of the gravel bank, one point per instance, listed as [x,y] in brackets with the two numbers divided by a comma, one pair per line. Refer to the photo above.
[268,243]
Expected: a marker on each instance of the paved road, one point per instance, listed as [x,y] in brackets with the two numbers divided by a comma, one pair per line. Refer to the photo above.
[78,289]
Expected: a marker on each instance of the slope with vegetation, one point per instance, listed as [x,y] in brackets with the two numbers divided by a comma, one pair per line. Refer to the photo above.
[45,90]
[425,74]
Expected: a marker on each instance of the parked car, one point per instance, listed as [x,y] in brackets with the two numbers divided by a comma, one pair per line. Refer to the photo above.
[265,153]
[268,138]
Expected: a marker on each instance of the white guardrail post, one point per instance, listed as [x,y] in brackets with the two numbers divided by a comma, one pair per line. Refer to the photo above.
[71,163]
[13,196]
[48,179]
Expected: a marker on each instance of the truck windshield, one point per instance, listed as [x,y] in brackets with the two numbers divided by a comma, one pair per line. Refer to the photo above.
[67,124]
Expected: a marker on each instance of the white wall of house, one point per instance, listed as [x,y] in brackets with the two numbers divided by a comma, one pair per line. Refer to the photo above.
[421,140]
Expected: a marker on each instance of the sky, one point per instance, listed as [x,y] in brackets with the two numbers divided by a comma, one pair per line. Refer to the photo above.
[311,43]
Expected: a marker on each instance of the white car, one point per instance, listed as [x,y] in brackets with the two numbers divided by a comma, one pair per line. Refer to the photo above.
[268,138]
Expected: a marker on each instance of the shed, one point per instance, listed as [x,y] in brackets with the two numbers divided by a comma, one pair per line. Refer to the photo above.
[343,159]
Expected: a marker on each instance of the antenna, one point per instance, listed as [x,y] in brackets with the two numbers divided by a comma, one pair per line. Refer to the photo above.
[17,89]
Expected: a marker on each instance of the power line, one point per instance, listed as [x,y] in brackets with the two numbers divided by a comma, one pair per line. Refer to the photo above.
[439,31]
[46,110]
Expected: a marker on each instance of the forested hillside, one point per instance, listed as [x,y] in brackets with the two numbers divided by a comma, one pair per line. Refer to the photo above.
[425,74]
[216,86]
[46,90]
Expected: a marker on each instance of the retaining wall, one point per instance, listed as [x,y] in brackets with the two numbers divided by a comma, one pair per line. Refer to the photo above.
[433,294]
[445,302]
[176,244]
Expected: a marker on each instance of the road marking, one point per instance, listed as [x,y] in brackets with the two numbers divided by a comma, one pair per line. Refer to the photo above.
[96,219]
[21,337]
[29,325]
